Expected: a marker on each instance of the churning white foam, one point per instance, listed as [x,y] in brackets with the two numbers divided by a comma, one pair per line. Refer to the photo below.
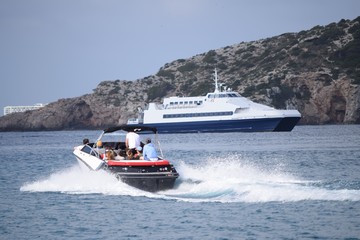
[226,180]
[78,180]
[231,180]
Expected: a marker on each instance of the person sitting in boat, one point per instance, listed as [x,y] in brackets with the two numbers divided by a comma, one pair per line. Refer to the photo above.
[99,144]
[138,155]
[110,155]
[100,149]
[149,151]
[132,140]
[122,155]
[129,154]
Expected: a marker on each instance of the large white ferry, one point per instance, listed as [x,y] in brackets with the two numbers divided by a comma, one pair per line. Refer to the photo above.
[220,111]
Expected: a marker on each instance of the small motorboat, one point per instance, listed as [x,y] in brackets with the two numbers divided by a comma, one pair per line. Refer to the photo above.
[149,175]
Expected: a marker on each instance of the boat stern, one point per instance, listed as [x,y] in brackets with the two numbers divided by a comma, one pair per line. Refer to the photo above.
[145,175]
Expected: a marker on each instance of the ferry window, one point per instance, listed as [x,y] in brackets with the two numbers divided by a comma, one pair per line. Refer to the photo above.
[204,114]
[222,95]
[200,102]
[176,103]
[191,102]
[171,103]
[186,102]
[181,102]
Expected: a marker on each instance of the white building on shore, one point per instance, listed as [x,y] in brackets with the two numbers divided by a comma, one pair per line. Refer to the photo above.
[13,109]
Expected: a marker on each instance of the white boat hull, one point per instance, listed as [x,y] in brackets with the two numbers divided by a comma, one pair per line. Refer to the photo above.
[92,162]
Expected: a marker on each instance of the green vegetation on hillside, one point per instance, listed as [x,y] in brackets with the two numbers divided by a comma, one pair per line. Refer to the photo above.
[348,57]
[159,91]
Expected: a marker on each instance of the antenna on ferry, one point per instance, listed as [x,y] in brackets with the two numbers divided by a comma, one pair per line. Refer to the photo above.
[216,82]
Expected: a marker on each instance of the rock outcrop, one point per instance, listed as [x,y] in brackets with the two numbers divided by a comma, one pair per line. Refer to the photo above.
[315,71]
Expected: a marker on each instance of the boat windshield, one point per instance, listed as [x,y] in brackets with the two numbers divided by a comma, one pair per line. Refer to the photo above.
[87,149]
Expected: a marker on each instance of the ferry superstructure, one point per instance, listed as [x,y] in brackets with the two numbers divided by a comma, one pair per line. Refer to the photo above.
[219,111]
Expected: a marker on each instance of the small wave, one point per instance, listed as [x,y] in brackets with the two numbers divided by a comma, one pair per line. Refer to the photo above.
[336,184]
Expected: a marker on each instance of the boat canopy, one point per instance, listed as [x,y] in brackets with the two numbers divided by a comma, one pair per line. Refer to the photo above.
[129,128]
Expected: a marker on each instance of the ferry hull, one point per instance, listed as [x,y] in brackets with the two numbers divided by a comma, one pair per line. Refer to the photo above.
[243,125]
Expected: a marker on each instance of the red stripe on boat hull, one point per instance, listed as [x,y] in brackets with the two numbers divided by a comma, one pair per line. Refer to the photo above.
[138,163]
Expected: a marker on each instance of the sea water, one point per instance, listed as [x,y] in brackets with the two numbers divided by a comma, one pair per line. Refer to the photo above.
[303,184]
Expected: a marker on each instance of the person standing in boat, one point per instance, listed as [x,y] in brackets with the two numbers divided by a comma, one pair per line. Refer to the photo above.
[132,140]
[149,151]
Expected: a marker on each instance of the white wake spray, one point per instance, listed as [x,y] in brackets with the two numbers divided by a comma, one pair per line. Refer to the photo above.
[77,180]
[229,179]
[233,180]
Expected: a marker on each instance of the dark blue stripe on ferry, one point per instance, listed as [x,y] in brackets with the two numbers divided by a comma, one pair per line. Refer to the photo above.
[247,125]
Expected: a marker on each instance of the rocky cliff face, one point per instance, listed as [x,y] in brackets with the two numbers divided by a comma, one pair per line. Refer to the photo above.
[315,71]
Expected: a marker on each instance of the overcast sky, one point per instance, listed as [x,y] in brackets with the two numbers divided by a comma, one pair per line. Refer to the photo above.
[52,49]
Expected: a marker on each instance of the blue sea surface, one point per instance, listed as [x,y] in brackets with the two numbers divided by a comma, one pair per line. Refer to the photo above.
[303,184]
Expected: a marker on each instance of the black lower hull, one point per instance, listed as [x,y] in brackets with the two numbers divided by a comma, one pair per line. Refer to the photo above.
[150,184]
[287,124]
[151,179]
